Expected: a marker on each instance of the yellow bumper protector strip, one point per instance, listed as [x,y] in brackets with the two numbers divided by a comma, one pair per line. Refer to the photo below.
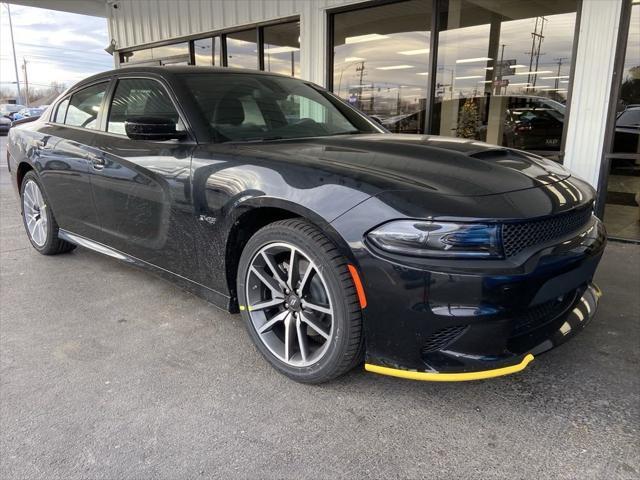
[449,377]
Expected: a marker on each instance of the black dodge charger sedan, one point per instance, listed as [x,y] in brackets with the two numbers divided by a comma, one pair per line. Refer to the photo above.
[429,258]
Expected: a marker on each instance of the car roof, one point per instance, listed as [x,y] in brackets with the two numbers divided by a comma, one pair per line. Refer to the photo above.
[172,70]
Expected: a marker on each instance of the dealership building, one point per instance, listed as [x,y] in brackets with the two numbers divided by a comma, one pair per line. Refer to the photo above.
[557,77]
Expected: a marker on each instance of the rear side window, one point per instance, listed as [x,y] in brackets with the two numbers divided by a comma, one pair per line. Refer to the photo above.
[62,111]
[139,97]
[85,105]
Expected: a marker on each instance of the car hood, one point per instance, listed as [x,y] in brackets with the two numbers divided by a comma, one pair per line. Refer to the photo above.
[448,166]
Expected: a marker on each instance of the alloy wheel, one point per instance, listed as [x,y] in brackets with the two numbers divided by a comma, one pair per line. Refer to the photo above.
[34,208]
[289,304]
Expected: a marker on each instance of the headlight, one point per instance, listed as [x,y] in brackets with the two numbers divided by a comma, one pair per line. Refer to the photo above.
[437,239]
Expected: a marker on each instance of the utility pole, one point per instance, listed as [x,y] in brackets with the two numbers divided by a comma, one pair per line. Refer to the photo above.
[535,51]
[360,70]
[26,82]
[13,47]
[559,60]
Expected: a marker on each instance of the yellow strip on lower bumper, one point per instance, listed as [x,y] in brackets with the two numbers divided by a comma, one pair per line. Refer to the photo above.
[449,377]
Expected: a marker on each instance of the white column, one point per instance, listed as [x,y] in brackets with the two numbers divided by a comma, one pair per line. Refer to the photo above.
[313,42]
[594,60]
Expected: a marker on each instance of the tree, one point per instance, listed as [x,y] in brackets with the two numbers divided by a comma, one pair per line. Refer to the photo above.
[468,120]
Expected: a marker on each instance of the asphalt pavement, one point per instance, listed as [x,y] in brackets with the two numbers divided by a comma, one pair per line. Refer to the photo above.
[110,372]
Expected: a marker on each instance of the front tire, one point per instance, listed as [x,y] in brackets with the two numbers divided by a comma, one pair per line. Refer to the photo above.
[38,219]
[299,303]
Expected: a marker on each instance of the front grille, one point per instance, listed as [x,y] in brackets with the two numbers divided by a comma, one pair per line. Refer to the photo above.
[540,315]
[519,236]
[442,338]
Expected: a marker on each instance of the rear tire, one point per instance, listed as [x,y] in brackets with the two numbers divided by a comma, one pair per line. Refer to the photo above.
[306,320]
[38,219]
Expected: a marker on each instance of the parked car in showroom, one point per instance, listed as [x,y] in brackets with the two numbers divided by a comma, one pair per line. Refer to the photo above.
[427,257]
[529,122]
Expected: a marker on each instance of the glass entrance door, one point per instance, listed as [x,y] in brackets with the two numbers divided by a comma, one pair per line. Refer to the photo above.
[622,208]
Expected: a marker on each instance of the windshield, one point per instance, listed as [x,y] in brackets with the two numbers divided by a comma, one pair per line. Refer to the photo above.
[245,107]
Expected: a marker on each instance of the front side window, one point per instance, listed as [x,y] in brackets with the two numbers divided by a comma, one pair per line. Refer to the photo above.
[84,106]
[139,97]
[262,107]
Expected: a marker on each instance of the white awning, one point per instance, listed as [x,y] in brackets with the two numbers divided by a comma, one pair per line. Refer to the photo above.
[96,8]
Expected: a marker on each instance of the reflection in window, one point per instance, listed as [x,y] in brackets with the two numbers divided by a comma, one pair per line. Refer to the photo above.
[177,53]
[381,58]
[207,51]
[139,97]
[622,210]
[85,106]
[282,48]
[242,49]
[503,72]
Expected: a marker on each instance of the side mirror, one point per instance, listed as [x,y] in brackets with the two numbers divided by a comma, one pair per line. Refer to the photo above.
[152,128]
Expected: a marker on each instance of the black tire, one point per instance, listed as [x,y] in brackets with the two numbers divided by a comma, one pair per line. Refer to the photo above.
[52,245]
[346,343]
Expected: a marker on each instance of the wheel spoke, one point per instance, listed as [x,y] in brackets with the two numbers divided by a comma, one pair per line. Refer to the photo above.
[293,267]
[38,233]
[317,308]
[270,324]
[274,269]
[268,281]
[266,304]
[305,277]
[314,326]
[27,196]
[302,340]
[289,333]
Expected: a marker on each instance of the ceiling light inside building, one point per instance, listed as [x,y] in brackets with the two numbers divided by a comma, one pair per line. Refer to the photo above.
[470,60]
[273,50]
[469,77]
[533,73]
[353,59]
[364,38]
[395,67]
[419,51]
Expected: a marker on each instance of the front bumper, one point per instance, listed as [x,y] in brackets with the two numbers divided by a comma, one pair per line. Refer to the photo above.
[573,322]
[433,324]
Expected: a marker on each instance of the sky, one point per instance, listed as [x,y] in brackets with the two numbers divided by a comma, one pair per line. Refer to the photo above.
[58,46]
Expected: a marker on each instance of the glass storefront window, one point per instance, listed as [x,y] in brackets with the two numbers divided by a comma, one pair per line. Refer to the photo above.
[503,70]
[206,51]
[381,62]
[177,53]
[622,209]
[242,49]
[282,48]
